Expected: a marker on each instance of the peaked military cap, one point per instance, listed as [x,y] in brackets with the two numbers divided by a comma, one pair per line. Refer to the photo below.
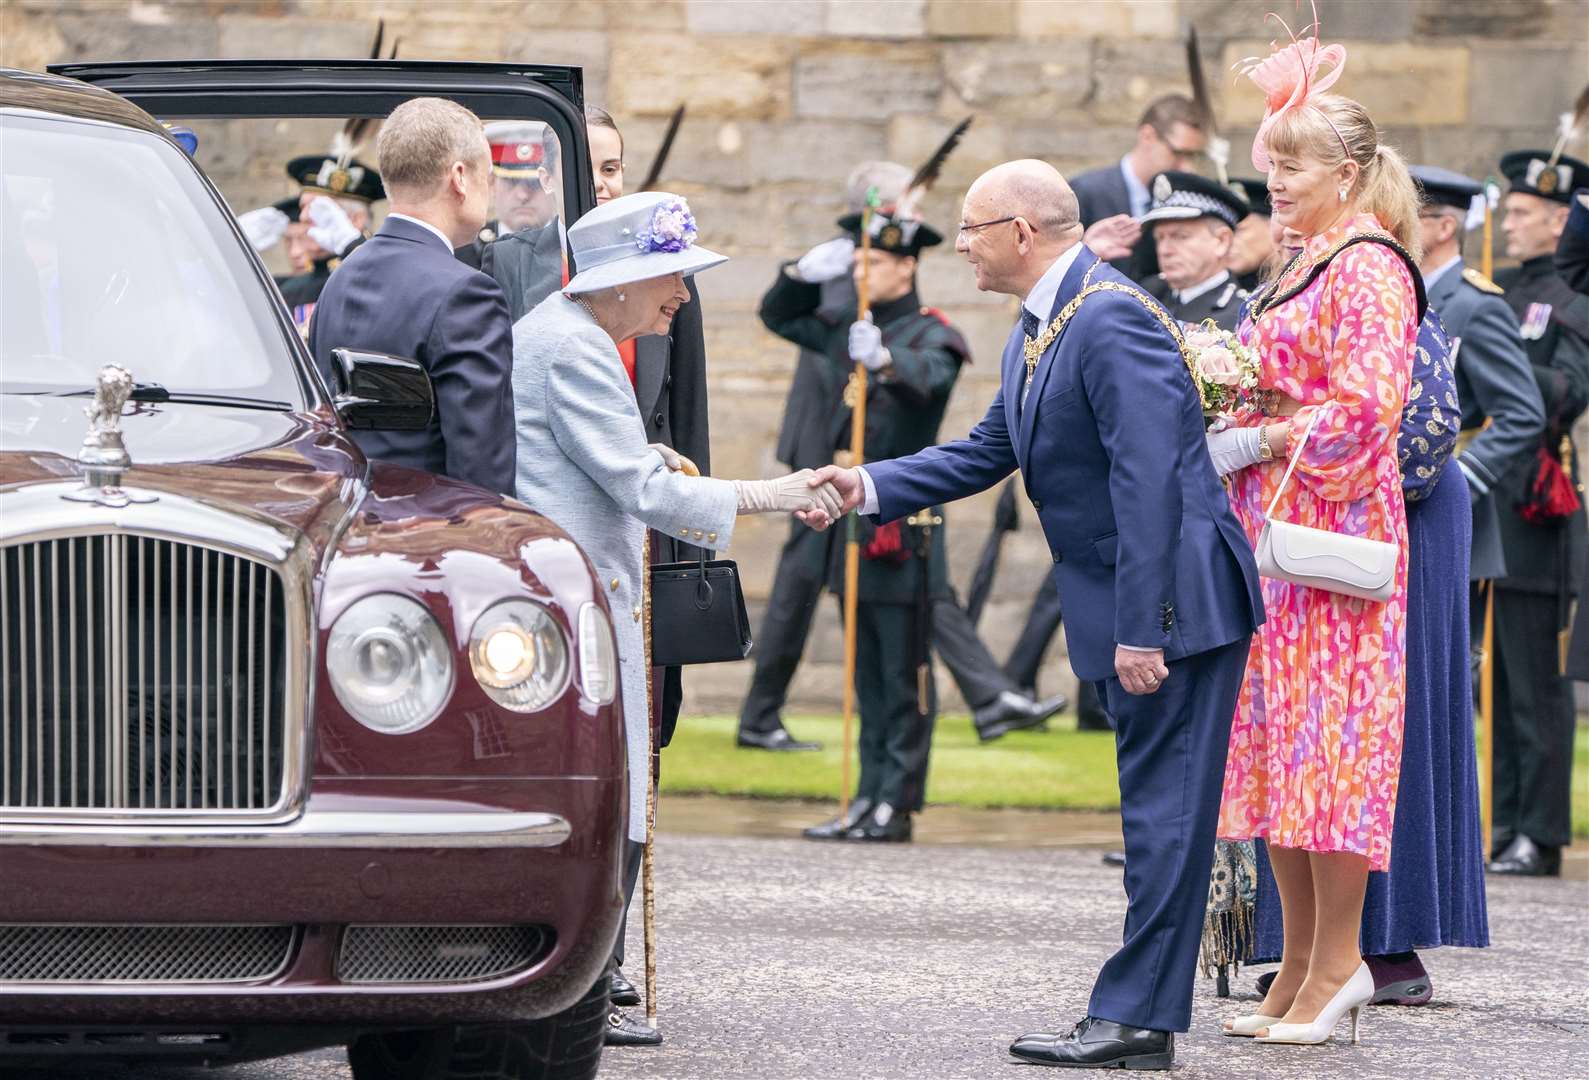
[1184,195]
[896,236]
[1256,194]
[517,151]
[1531,172]
[1443,187]
[327,175]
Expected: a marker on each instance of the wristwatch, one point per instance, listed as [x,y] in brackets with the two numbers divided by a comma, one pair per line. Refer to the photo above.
[1265,452]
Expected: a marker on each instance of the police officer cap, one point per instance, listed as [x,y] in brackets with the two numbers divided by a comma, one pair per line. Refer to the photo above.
[324,175]
[897,237]
[1256,192]
[1184,195]
[1531,172]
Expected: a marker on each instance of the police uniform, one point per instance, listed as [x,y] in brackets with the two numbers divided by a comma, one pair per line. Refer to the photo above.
[902,565]
[1501,406]
[1535,719]
[340,178]
[1183,196]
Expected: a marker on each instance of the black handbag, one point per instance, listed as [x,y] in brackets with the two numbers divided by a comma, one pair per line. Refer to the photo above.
[698,613]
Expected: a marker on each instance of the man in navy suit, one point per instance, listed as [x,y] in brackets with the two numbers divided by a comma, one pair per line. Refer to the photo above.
[404,293]
[1101,417]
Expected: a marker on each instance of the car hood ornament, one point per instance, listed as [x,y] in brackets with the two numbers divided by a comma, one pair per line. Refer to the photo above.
[103,455]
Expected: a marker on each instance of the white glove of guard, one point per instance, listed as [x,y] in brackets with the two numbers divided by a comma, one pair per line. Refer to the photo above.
[330,226]
[786,495]
[866,346]
[826,261]
[264,227]
[1233,448]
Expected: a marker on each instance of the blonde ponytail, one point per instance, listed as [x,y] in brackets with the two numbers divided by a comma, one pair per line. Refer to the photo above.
[1386,190]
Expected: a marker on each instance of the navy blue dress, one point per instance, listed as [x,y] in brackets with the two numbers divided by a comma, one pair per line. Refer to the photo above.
[1433,893]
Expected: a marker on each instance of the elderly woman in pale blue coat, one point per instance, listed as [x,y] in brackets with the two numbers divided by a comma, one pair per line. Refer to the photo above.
[583,460]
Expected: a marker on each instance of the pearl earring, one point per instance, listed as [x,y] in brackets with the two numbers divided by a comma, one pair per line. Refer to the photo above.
[622,297]
[1341,194]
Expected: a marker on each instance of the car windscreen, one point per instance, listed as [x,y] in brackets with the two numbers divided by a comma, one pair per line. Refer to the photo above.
[113,251]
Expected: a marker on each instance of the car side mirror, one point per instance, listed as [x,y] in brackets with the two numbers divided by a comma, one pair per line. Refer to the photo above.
[376,392]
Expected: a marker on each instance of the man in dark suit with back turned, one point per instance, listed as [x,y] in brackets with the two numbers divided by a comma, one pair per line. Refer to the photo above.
[404,293]
[1097,410]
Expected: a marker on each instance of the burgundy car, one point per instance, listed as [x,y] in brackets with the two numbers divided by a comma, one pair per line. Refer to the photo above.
[296,749]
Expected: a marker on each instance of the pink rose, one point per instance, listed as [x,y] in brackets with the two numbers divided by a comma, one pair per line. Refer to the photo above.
[1218,365]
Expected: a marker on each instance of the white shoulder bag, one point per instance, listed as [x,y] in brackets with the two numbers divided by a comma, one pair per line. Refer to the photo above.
[1320,559]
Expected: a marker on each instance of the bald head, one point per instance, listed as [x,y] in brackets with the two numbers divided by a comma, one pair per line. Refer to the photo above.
[1022,216]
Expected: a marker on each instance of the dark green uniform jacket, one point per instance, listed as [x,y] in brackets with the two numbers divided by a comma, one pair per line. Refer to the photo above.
[904,406]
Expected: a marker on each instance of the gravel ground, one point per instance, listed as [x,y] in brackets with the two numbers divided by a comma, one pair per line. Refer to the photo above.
[788,960]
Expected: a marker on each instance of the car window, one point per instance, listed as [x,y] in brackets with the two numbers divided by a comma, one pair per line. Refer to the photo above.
[113,251]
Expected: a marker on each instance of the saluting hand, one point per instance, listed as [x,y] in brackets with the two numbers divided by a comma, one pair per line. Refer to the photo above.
[1114,237]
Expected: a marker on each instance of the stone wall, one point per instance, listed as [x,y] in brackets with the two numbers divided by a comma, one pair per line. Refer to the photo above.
[785,96]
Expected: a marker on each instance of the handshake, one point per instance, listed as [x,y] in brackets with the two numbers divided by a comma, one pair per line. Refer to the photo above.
[817,497]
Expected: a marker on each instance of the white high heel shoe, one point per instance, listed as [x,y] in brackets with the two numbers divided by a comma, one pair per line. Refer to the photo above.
[1247,1027]
[1358,991]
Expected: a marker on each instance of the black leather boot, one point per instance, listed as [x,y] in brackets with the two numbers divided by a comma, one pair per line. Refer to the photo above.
[886,825]
[835,828]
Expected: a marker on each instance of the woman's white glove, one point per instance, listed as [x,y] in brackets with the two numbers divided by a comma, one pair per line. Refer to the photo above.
[675,461]
[787,495]
[866,346]
[1233,448]
[826,261]
[330,226]
[264,227]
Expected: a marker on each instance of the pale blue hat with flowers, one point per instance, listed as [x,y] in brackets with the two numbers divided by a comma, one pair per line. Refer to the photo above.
[647,235]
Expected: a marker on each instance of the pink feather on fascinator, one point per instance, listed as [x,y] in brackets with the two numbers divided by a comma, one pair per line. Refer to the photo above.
[1289,78]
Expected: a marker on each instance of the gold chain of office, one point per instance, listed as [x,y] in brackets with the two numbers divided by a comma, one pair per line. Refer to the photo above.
[1034,348]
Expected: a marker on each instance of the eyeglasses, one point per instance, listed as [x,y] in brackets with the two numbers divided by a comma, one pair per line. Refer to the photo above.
[996,221]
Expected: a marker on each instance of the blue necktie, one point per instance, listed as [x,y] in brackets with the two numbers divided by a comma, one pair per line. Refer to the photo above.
[1031,327]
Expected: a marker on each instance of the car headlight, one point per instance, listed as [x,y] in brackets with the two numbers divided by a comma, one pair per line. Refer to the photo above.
[598,656]
[390,664]
[519,655]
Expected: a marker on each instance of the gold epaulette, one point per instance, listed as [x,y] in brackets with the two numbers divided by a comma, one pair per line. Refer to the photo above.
[1480,282]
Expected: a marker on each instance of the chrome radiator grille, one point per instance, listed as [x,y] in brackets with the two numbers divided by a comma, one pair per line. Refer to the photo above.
[142,954]
[439,954]
[139,674]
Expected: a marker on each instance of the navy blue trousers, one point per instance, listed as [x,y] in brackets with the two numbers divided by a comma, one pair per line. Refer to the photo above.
[1171,748]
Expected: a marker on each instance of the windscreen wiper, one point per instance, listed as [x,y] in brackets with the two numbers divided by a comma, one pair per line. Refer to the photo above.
[149,391]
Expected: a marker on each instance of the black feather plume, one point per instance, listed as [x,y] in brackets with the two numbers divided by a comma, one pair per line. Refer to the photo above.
[380,34]
[353,132]
[928,174]
[654,174]
[1198,80]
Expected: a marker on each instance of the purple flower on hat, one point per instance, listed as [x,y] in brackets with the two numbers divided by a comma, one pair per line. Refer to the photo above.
[672,229]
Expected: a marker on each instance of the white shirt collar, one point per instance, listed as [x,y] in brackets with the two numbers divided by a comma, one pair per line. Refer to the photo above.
[1439,272]
[1186,296]
[1136,190]
[425,224]
[1040,301]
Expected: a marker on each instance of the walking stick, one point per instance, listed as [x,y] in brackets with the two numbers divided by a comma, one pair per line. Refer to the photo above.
[648,887]
[1486,716]
[852,539]
[1492,192]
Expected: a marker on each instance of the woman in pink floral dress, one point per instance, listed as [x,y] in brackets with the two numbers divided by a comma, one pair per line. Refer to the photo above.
[1316,745]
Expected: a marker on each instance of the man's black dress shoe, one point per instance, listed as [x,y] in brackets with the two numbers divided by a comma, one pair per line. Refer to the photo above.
[885,825]
[1114,858]
[1099,1044]
[1014,712]
[779,739]
[620,991]
[835,828]
[625,1030]
[1524,858]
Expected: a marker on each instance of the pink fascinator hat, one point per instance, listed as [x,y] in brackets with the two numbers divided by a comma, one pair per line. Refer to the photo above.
[1290,78]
